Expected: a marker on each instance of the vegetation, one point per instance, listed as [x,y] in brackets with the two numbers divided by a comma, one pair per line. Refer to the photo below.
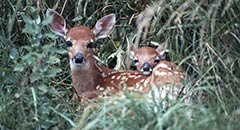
[203,37]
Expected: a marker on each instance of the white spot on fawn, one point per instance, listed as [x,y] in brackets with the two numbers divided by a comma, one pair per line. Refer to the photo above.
[123,78]
[98,87]
[101,88]
[131,76]
[158,73]
[182,76]
[109,88]
[142,80]
[140,88]
[137,86]
[122,82]
[139,76]
[104,74]
[176,72]
[113,77]
[118,77]
[130,88]
[162,65]
[135,73]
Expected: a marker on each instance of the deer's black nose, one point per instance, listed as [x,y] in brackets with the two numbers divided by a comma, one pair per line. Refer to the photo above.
[78,58]
[146,68]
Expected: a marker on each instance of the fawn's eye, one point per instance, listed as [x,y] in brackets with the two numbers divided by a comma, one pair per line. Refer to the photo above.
[90,45]
[156,60]
[69,43]
[135,61]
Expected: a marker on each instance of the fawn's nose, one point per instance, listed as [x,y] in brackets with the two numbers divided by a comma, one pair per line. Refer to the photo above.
[78,58]
[146,69]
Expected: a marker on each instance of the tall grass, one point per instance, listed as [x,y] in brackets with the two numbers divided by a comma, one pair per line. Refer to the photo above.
[203,37]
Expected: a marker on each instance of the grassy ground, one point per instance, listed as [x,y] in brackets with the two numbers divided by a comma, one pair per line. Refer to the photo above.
[203,37]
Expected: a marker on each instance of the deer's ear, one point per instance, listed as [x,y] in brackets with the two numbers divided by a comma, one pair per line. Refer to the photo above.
[104,26]
[133,50]
[162,50]
[58,24]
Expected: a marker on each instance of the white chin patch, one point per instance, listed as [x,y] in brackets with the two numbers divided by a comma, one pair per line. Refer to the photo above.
[74,64]
[147,73]
[77,64]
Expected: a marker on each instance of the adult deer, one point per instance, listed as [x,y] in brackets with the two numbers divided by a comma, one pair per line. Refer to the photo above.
[89,79]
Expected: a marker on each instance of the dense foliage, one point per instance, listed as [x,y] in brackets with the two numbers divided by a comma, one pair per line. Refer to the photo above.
[203,37]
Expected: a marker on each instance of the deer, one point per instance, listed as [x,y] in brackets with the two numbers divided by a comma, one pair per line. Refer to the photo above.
[90,80]
[150,62]
[162,74]
[79,41]
[146,58]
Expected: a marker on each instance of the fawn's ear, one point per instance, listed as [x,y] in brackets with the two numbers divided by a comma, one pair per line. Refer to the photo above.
[104,26]
[162,50]
[58,24]
[133,50]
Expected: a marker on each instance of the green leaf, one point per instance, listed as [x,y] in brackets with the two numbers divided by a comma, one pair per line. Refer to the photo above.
[28,48]
[38,55]
[43,68]
[13,53]
[50,35]
[53,60]
[28,58]
[61,51]
[53,72]
[18,67]
[47,20]
[27,19]
[29,29]
[43,88]
[34,77]
[17,95]
[37,20]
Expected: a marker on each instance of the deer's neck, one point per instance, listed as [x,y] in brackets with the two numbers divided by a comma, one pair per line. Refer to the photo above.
[85,77]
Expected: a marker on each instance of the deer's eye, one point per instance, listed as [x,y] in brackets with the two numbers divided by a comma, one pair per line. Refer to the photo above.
[156,60]
[135,61]
[69,43]
[90,45]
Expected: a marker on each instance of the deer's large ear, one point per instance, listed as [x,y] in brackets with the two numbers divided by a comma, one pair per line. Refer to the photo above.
[162,50]
[133,49]
[104,26]
[58,24]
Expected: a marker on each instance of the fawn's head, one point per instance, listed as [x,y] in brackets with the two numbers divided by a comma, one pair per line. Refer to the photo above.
[80,39]
[145,58]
